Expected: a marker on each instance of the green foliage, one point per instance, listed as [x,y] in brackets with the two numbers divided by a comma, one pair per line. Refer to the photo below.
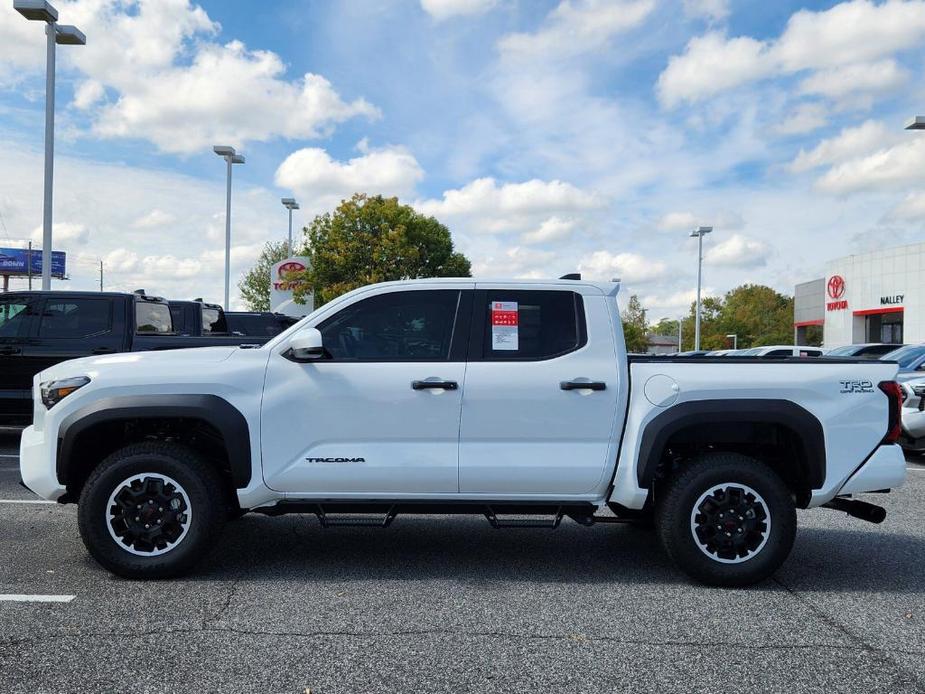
[635,326]
[255,285]
[756,314]
[666,326]
[371,239]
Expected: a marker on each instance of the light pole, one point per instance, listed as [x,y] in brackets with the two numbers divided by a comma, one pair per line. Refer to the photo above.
[680,332]
[231,157]
[735,340]
[699,232]
[41,11]
[290,204]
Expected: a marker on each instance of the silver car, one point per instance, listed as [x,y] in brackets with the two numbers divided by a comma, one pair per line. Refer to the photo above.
[913,415]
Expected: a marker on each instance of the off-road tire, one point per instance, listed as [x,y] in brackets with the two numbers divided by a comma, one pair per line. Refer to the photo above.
[676,521]
[202,485]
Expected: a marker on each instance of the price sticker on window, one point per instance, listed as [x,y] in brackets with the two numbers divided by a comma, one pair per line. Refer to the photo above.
[504,323]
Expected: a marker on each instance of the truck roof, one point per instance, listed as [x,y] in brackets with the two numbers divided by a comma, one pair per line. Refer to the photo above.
[607,288]
[82,294]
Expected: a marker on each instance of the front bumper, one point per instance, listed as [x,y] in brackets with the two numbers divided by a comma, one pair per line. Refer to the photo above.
[37,464]
[885,469]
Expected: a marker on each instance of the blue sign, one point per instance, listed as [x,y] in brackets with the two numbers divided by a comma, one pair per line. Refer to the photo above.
[15,261]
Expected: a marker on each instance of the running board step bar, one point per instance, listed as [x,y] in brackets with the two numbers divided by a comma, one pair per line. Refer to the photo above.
[330,521]
[499,523]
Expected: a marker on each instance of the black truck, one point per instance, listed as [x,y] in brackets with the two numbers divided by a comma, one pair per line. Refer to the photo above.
[39,329]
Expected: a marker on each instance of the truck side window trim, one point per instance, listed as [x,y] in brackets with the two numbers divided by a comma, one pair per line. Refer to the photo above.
[479,335]
[458,332]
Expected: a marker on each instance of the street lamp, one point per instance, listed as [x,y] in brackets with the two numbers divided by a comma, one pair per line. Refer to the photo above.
[231,157]
[290,204]
[917,123]
[699,232]
[66,35]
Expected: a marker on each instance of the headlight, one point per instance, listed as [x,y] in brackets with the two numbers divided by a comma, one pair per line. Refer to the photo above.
[54,392]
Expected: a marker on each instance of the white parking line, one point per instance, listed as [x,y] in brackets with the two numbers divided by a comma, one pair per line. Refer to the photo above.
[12,597]
[26,501]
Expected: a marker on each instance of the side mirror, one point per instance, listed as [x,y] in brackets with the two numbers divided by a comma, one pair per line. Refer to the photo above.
[307,345]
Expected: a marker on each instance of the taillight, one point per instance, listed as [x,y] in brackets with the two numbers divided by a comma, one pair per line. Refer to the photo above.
[894,394]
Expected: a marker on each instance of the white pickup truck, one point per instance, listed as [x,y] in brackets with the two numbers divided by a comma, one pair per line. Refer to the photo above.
[512,399]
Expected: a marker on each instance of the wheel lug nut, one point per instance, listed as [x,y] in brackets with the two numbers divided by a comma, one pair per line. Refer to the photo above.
[161,508]
[137,518]
[148,525]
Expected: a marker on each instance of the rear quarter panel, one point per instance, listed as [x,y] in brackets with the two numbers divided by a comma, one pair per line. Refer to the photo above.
[854,419]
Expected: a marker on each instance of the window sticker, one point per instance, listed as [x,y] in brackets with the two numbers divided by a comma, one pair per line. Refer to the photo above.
[504,322]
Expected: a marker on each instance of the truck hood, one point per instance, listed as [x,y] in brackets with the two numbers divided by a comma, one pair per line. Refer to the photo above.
[147,361]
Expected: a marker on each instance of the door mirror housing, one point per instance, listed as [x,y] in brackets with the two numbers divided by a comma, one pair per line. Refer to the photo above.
[307,345]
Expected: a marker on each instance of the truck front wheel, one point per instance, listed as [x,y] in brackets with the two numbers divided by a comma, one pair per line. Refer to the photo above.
[151,510]
[726,519]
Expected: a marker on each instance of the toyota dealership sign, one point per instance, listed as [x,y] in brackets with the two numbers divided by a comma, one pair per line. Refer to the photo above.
[835,288]
[282,287]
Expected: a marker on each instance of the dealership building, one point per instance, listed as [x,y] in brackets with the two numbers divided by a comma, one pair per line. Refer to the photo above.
[873,297]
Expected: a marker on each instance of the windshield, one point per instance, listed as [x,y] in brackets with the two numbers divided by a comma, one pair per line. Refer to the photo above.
[906,356]
[845,351]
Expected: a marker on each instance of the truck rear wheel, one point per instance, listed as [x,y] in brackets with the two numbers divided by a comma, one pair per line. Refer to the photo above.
[726,519]
[151,510]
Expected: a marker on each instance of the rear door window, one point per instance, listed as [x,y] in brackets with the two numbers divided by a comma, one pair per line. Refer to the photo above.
[75,318]
[152,318]
[531,325]
[16,316]
[213,321]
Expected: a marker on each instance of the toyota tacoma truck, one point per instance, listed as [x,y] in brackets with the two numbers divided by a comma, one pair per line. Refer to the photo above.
[512,399]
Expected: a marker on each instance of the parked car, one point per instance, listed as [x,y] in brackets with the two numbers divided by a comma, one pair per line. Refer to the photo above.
[258,323]
[913,415]
[511,398]
[911,360]
[867,350]
[39,329]
[781,351]
[693,353]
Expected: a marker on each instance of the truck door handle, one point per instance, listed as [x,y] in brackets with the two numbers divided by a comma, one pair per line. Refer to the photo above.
[424,385]
[583,385]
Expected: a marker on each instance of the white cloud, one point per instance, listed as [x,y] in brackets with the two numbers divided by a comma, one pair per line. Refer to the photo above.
[712,64]
[911,209]
[711,10]
[552,229]
[630,268]
[441,10]
[575,27]
[65,235]
[516,262]
[322,182]
[887,169]
[520,207]
[848,34]
[738,251]
[154,219]
[677,221]
[171,84]
[850,142]
[804,119]
[881,77]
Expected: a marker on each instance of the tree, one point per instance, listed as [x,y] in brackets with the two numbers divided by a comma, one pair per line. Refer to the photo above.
[666,326]
[759,315]
[255,285]
[635,326]
[371,239]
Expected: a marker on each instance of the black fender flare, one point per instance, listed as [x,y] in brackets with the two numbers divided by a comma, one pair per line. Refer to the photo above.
[703,413]
[216,411]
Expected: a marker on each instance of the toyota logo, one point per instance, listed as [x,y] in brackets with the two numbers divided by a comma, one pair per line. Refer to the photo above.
[291,266]
[836,286]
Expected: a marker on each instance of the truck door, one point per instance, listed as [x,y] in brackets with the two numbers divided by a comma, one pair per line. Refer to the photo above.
[17,319]
[74,326]
[379,414]
[539,407]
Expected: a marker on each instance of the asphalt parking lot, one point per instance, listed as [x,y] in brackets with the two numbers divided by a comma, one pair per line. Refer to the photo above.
[450,605]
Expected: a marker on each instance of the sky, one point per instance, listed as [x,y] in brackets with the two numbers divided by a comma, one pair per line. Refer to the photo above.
[550,136]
